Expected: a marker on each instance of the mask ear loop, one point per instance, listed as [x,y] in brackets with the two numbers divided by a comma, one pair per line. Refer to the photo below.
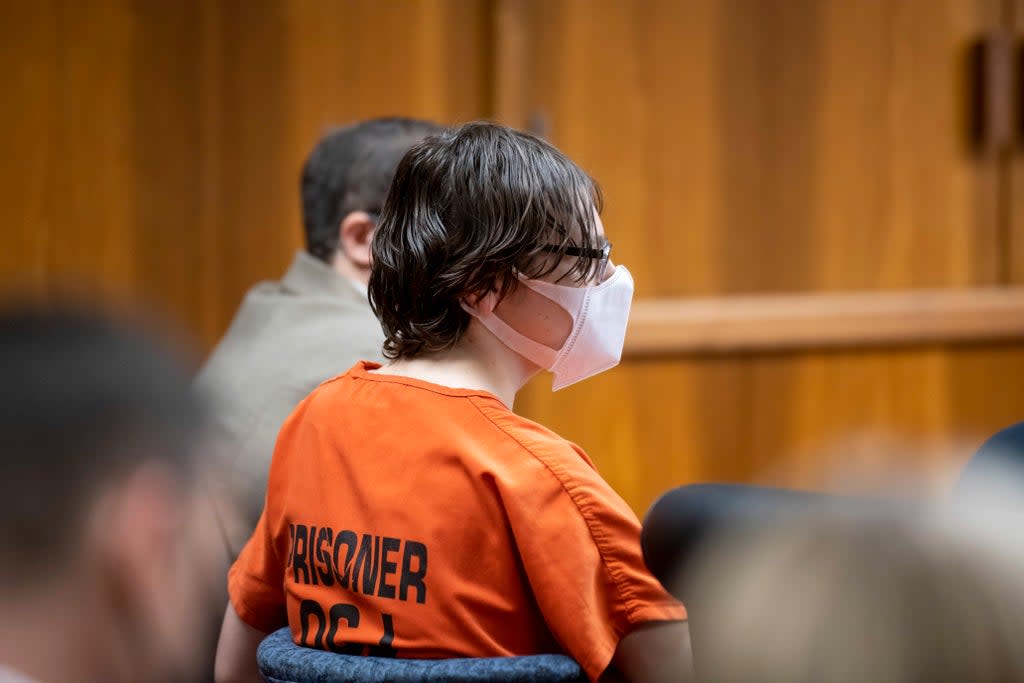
[544,356]
[483,305]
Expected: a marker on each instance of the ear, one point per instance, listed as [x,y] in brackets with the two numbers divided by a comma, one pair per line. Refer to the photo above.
[354,236]
[143,514]
[158,548]
[482,304]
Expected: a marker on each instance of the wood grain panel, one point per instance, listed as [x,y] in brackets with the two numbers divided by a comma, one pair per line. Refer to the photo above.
[653,423]
[1013,252]
[30,66]
[763,147]
[840,420]
[301,68]
[153,149]
[776,145]
[163,133]
[786,322]
[66,157]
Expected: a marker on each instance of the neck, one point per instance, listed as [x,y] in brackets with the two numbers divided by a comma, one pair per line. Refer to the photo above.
[48,635]
[349,270]
[478,361]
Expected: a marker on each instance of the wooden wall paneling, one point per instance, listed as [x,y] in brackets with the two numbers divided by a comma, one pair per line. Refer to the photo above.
[860,419]
[623,89]
[654,422]
[213,244]
[744,147]
[843,420]
[873,411]
[251,191]
[362,59]
[359,59]
[511,66]
[328,64]
[774,322]
[904,201]
[92,195]
[932,215]
[155,148]
[167,159]
[988,388]
[1013,248]
[30,67]
[67,161]
[764,147]
[774,145]
[356,60]
[102,180]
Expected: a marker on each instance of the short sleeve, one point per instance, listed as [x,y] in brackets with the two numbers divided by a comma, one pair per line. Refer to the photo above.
[256,579]
[580,546]
[256,582]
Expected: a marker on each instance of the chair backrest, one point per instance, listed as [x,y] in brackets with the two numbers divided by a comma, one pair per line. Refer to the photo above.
[684,518]
[282,661]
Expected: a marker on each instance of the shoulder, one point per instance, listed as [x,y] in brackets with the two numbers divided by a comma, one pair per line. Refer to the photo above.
[269,303]
[529,435]
[549,456]
[324,395]
[282,312]
[291,341]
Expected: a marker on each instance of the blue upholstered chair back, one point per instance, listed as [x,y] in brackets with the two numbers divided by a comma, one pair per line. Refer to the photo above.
[282,661]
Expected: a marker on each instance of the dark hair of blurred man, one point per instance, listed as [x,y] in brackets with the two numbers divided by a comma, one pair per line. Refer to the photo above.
[291,335]
[106,538]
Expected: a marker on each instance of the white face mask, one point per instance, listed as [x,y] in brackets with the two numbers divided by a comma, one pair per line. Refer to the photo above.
[599,316]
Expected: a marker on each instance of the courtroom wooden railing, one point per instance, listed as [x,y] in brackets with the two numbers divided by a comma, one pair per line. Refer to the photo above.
[765,323]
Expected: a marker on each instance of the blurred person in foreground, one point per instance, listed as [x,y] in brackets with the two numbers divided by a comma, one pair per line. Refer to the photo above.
[932,596]
[108,547]
[289,336]
[410,511]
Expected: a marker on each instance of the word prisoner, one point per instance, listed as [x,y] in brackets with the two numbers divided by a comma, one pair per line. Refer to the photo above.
[363,563]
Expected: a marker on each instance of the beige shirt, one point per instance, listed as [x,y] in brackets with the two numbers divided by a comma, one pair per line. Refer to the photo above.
[286,338]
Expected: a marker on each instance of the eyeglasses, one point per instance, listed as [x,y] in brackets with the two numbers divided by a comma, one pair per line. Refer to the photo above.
[601,254]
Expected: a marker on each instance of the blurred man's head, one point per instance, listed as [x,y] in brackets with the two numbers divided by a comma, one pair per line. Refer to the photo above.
[877,596]
[344,184]
[104,535]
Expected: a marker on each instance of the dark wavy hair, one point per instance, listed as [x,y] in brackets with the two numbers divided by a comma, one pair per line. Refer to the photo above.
[468,210]
[350,169]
